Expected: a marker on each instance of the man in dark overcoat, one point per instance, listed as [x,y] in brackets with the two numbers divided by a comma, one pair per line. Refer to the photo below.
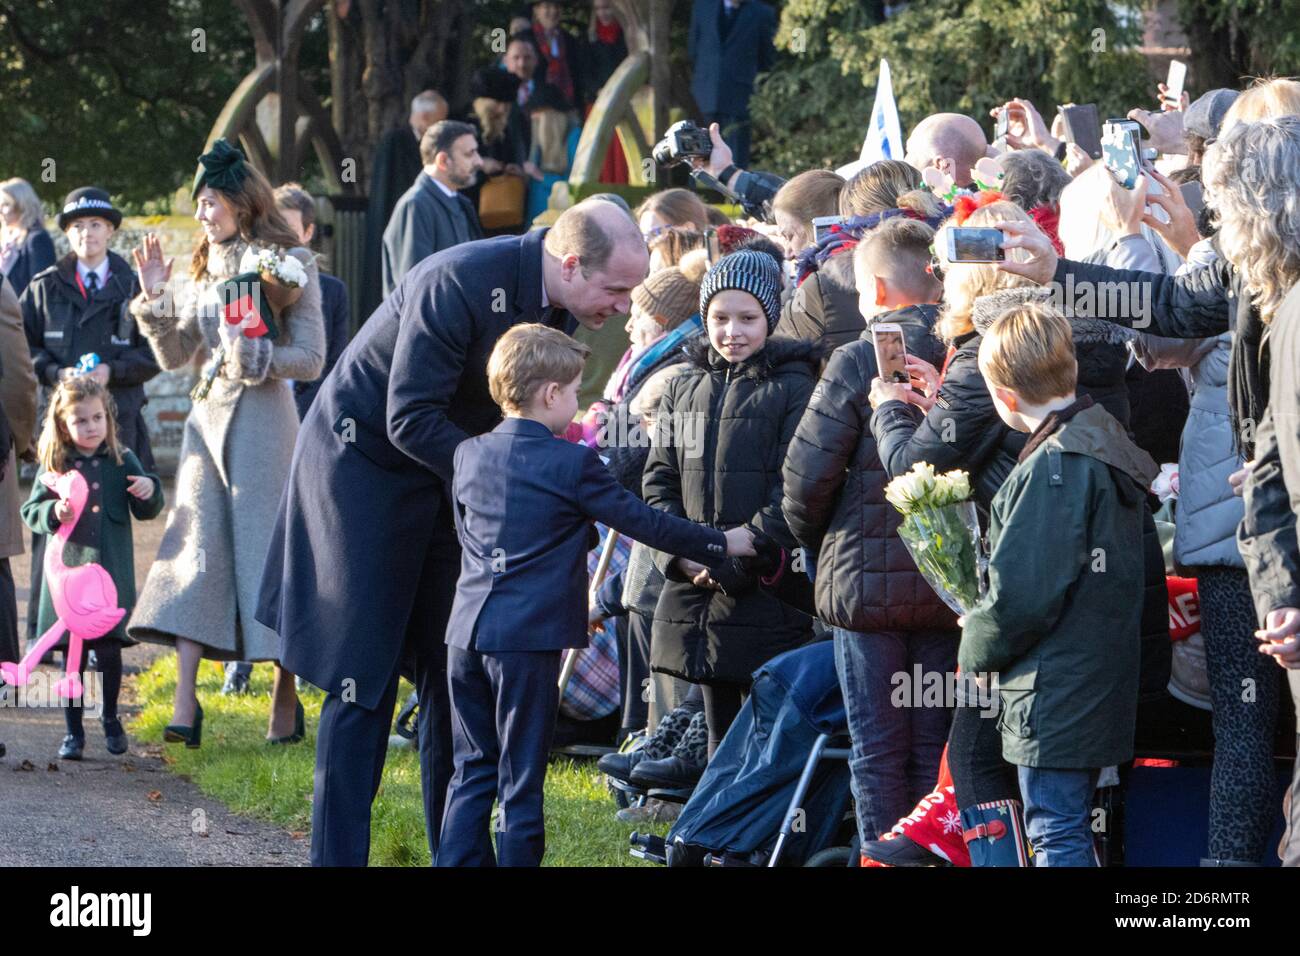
[363,564]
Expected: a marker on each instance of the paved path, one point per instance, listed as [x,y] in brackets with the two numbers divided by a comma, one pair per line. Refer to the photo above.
[115,811]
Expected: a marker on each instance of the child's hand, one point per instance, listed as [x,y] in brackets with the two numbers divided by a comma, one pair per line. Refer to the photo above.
[63,511]
[689,568]
[141,486]
[740,542]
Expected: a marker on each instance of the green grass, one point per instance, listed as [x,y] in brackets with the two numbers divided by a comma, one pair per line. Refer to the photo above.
[235,765]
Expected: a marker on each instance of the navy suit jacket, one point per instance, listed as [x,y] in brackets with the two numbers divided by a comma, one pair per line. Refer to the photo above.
[35,255]
[334,306]
[524,501]
[372,465]
[724,70]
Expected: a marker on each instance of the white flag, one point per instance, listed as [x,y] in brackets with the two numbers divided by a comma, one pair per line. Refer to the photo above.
[884,135]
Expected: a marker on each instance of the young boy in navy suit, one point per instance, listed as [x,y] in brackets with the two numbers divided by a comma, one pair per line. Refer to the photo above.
[524,503]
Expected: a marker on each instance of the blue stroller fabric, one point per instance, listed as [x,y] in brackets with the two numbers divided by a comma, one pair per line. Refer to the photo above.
[740,802]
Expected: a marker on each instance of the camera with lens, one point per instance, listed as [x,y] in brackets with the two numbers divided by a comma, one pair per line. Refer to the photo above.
[683,141]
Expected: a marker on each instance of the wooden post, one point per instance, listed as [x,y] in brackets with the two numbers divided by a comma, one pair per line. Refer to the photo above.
[661,76]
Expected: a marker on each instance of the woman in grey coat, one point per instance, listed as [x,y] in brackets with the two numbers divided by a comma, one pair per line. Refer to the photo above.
[201,593]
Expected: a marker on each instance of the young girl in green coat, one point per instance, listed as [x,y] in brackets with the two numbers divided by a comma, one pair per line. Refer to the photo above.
[80,432]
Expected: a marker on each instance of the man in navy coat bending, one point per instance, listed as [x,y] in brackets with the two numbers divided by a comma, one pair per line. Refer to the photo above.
[363,564]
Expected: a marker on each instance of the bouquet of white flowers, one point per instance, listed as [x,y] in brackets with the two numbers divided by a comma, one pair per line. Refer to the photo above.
[941,531]
[283,279]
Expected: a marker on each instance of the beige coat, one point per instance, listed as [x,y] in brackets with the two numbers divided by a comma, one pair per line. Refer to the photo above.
[18,397]
[235,455]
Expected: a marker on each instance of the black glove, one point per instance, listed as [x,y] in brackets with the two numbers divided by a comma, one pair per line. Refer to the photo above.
[767,557]
[732,577]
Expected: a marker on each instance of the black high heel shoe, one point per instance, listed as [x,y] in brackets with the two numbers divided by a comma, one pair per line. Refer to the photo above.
[299,728]
[191,737]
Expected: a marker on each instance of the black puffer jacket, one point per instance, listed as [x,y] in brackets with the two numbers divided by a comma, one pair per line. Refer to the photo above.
[825,306]
[724,431]
[835,501]
[964,430]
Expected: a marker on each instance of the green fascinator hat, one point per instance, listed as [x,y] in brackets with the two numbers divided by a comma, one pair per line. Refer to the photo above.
[223,167]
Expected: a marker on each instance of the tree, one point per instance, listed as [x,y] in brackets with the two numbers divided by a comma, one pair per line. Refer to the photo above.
[1232,40]
[945,55]
[118,93]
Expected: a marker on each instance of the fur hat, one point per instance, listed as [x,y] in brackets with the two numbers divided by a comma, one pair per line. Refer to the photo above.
[754,272]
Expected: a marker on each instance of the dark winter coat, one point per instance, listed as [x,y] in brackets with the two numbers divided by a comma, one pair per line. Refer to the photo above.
[825,306]
[396,164]
[424,221]
[103,532]
[338,329]
[372,466]
[834,499]
[964,430]
[1060,623]
[62,325]
[1267,536]
[34,256]
[724,434]
[725,66]
[597,64]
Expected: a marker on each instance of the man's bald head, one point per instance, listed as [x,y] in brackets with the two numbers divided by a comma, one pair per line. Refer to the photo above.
[592,230]
[595,256]
[950,142]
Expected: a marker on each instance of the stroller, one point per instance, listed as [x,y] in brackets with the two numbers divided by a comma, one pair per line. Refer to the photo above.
[777,790]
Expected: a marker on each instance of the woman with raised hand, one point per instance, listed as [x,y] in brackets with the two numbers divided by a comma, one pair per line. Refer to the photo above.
[201,593]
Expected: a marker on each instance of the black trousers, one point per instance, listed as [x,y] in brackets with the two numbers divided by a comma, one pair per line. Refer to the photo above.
[9,645]
[352,742]
[722,702]
[634,663]
[979,774]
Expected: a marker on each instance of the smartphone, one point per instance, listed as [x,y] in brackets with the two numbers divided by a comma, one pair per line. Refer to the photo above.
[822,226]
[1174,83]
[1082,127]
[713,246]
[891,351]
[1000,130]
[1121,150]
[974,245]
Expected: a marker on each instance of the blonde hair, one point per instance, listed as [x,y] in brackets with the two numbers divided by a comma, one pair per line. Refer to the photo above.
[964,282]
[887,184]
[1030,350]
[1267,98]
[680,207]
[491,122]
[528,357]
[28,203]
[550,137]
[55,444]
[674,243]
[1251,178]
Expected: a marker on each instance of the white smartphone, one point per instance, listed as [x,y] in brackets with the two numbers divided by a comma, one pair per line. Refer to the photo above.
[891,352]
[969,244]
[822,226]
[1175,81]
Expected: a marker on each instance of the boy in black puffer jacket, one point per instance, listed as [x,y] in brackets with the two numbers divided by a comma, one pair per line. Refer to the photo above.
[886,618]
[723,428]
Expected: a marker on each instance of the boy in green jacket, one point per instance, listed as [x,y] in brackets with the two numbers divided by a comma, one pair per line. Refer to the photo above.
[1060,624]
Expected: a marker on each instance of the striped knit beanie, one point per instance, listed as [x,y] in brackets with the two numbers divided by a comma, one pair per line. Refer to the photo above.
[754,272]
[669,296]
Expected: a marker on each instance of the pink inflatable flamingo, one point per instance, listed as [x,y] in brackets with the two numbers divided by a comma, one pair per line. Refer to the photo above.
[84,598]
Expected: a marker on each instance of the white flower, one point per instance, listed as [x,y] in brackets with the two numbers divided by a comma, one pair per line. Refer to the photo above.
[287,269]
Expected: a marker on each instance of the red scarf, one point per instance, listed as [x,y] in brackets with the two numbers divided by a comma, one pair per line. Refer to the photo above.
[608,33]
[557,67]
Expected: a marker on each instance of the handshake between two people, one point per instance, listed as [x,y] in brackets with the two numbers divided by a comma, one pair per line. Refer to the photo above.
[751,555]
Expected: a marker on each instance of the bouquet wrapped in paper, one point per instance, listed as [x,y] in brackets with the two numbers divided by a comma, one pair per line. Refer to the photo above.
[941,530]
[283,279]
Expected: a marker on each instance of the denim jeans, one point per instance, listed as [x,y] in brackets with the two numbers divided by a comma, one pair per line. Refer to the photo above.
[895,750]
[1058,814]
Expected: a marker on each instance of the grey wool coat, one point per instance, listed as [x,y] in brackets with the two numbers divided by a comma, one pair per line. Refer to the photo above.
[235,455]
